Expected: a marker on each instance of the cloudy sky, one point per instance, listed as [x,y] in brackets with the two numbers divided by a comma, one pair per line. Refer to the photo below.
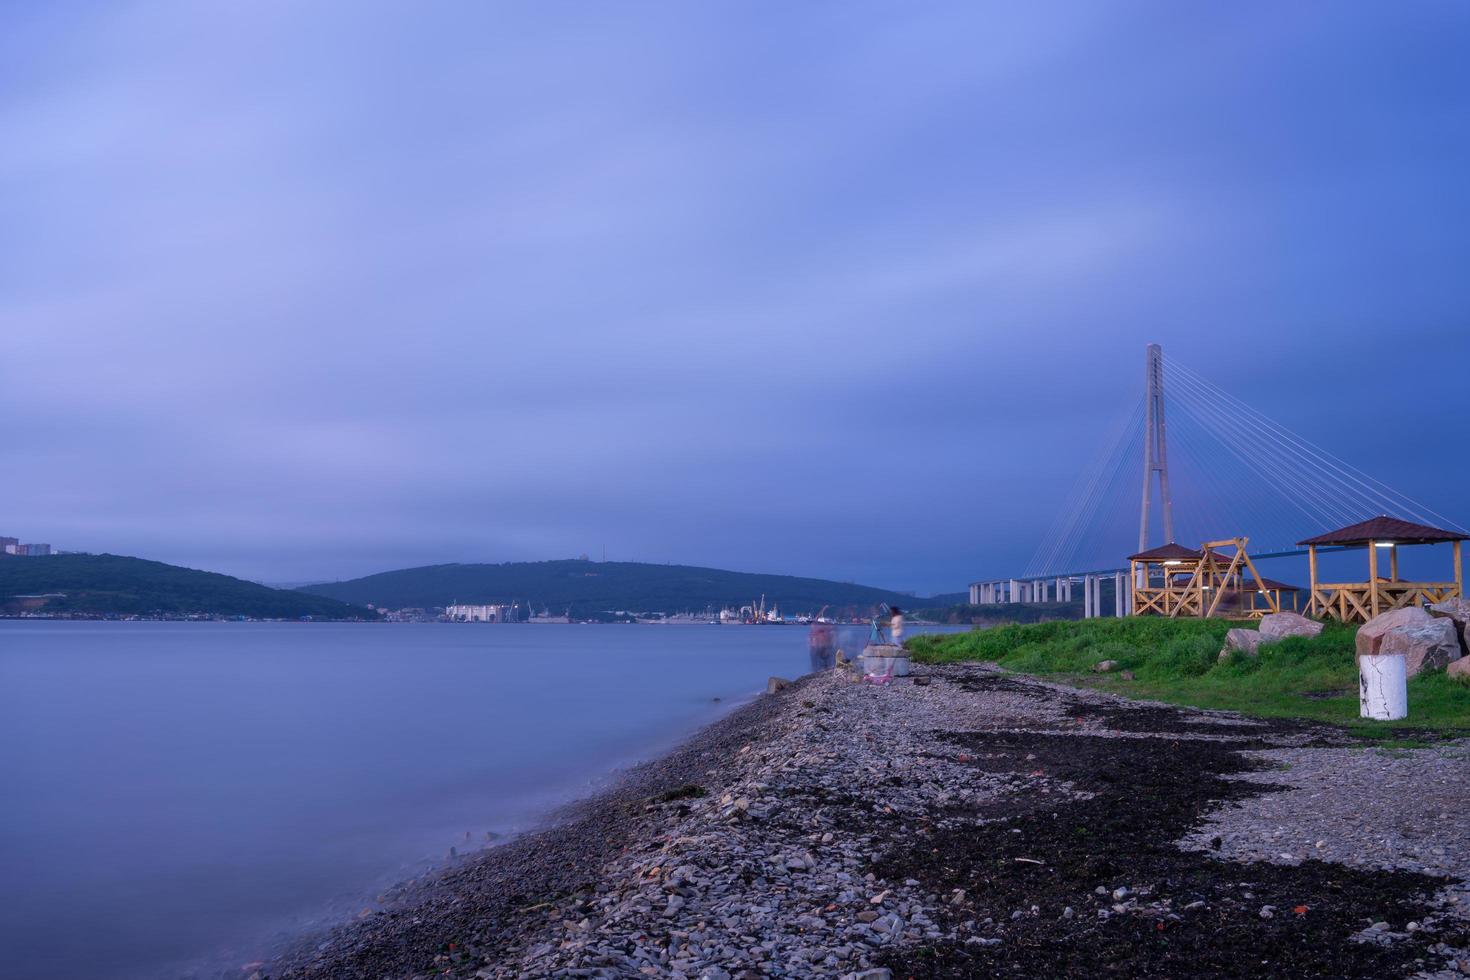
[839,289]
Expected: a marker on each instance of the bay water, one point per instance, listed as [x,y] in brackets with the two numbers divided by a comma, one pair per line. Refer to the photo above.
[176,795]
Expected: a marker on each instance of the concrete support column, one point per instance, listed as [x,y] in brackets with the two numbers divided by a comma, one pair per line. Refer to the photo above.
[1015,593]
[1087,597]
[1041,586]
[1118,594]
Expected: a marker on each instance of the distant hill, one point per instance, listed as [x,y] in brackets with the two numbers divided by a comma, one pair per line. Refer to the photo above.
[587,587]
[116,585]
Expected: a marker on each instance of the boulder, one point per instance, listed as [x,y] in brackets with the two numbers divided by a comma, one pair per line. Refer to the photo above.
[1278,626]
[1246,641]
[1456,611]
[1432,646]
[777,684]
[1104,666]
[1459,669]
[1370,634]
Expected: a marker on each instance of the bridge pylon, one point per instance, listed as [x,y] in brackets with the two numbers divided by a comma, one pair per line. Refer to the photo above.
[1155,450]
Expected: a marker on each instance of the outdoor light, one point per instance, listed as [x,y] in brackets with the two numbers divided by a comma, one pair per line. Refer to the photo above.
[1173,561]
[1383,544]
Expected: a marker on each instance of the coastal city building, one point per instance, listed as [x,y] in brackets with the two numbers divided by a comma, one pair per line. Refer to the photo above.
[477,613]
[13,546]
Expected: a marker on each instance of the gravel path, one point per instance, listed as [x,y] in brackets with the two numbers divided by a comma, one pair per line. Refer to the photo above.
[978,825]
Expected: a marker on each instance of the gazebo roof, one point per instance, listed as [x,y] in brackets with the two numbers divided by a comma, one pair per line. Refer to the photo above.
[1269,585]
[1167,552]
[1385,528]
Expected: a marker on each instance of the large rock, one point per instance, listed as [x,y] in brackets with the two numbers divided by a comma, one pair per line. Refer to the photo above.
[1456,609]
[1459,669]
[1278,626]
[1370,634]
[1458,612]
[775,685]
[1432,646]
[1243,640]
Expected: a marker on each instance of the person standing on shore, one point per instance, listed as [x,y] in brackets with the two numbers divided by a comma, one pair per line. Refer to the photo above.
[821,646]
[895,626]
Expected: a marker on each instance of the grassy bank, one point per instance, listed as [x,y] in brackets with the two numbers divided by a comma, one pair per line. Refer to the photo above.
[1177,660]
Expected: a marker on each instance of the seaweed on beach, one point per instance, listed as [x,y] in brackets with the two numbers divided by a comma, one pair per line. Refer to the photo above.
[1183,913]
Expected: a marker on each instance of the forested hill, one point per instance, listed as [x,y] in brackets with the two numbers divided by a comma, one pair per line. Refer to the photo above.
[107,585]
[588,587]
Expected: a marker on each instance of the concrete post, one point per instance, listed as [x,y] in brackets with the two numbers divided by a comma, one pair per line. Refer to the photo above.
[1041,585]
[1087,597]
[1015,593]
[1118,594]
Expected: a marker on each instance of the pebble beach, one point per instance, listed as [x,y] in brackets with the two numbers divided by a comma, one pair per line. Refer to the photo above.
[962,822]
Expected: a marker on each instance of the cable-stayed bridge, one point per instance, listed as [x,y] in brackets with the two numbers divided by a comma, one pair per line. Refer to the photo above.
[1234,472]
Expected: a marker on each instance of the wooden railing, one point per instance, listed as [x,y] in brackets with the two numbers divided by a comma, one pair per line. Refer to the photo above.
[1353,601]
[1180,600]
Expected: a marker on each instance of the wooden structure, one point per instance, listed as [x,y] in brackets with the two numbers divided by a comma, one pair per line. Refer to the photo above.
[1158,577]
[1261,596]
[1174,581]
[1361,601]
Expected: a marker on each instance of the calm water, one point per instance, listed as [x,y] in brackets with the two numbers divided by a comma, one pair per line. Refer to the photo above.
[183,790]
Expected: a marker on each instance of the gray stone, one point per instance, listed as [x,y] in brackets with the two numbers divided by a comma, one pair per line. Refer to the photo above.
[1370,634]
[1242,640]
[1104,666]
[1460,668]
[1458,612]
[1456,609]
[1432,646]
[1278,626]
[777,684]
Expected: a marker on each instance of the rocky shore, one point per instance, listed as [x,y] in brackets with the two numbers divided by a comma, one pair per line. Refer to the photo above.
[971,824]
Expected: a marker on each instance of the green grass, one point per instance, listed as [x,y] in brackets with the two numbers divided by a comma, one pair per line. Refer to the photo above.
[1177,660]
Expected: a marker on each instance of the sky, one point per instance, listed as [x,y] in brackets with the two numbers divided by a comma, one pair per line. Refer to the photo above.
[854,290]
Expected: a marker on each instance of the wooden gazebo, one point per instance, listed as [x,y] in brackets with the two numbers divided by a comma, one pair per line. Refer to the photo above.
[1263,595]
[1173,580]
[1361,601]
[1158,577]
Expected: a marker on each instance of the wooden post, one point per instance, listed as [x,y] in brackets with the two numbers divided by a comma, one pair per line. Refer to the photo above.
[1459,573]
[1393,563]
[1373,578]
[1312,565]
